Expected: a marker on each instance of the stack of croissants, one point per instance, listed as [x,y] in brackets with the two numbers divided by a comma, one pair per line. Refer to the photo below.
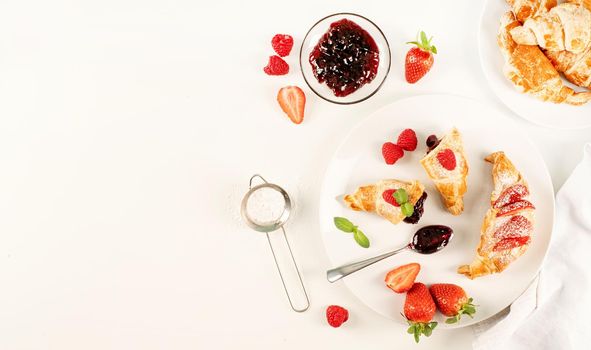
[539,40]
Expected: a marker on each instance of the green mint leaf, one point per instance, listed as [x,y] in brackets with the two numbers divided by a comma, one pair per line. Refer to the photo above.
[344,224]
[407,209]
[361,239]
[401,196]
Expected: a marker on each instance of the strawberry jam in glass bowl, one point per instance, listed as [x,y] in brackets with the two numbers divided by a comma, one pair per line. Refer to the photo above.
[345,58]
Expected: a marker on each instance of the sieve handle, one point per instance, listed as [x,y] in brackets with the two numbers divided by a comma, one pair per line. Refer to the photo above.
[295,266]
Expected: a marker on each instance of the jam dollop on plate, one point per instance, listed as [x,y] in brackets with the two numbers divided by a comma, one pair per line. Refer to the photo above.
[345,58]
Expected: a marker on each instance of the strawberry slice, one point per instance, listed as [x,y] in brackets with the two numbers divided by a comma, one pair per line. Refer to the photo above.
[403,277]
[292,101]
[388,196]
[511,242]
[510,195]
[515,207]
[516,227]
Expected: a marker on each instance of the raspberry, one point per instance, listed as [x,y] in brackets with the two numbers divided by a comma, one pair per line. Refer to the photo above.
[336,315]
[282,44]
[447,159]
[391,152]
[388,196]
[276,66]
[407,140]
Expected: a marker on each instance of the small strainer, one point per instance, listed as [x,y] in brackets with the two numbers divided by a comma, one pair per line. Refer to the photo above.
[266,208]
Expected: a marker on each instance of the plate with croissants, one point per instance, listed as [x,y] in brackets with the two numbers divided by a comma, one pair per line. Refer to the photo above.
[536,55]
[459,181]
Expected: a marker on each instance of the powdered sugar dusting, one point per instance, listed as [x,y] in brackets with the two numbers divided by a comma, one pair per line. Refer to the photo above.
[265,206]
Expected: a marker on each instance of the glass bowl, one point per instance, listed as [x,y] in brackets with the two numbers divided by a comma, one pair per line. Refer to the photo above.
[365,91]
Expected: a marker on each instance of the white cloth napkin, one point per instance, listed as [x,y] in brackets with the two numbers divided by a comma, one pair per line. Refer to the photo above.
[555,311]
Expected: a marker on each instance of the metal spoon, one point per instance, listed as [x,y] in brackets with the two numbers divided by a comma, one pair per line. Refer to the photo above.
[427,240]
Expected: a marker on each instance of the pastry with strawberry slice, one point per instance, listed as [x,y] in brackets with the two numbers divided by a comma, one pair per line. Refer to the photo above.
[394,200]
[292,101]
[508,224]
[446,164]
[419,309]
[452,301]
[419,59]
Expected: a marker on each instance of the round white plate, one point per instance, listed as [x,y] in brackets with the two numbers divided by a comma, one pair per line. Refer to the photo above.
[358,161]
[559,116]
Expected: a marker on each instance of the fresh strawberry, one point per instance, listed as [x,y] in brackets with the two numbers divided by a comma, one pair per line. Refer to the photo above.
[407,140]
[515,207]
[419,59]
[510,195]
[403,277]
[292,101]
[391,152]
[510,243]
[336,315]
[447,159]
[419,309]
[388,196]
[452,301]
[517,226]
[276,66]
[282,44]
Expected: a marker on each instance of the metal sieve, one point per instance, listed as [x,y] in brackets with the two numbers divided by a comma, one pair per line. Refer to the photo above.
[270,226]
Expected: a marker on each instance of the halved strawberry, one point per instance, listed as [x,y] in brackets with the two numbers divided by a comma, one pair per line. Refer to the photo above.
[388,196]
[510,243]
[292,101]
[513,208]
[510,195]
[403,277]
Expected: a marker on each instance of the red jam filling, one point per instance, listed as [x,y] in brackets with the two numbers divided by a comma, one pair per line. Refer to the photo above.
[345,58]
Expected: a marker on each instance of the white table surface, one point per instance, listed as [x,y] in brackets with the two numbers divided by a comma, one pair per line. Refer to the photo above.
[128,133]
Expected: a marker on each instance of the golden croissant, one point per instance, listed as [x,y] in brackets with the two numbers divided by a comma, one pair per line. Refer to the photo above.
[564,27]
[531,71]
[508,225]
[451,183]
[525,9]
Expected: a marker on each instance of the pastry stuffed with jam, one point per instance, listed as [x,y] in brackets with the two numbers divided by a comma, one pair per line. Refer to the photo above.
[380,198]
[445,163]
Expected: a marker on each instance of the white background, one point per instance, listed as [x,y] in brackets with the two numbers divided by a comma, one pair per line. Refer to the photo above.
[128,133]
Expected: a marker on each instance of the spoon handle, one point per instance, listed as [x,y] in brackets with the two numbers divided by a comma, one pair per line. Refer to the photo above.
[337,273]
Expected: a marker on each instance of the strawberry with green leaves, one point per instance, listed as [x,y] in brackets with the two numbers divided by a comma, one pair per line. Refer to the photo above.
[419,309]
[452,301]
[419,59]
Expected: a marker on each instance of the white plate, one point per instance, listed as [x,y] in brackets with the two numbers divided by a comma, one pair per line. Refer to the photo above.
[359,161]
[559,116]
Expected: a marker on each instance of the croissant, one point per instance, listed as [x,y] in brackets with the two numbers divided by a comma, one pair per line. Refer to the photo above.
[372,198]
[564,27]
[575,67]
[525,9]
[531,71]
[451,184]
[585,3]
[506,231]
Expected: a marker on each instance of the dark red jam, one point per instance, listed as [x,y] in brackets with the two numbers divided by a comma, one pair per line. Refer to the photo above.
[418,211]
[345,58]
[430,239]
[432,142]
